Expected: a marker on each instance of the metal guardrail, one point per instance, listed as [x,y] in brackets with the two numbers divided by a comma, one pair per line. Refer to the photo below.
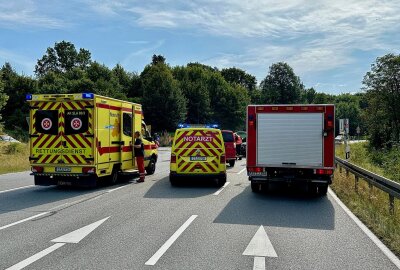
[389,186]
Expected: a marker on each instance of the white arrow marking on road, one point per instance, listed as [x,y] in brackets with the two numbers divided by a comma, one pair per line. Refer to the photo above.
[260,247]
[73,237]
[77,235]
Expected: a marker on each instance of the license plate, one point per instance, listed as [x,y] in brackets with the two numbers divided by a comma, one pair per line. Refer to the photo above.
[198,158]
[63,169]
[257,174]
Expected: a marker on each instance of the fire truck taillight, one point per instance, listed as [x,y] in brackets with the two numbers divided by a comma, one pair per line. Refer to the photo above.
[256,169]
[89,170]
[173,158]
[37,169]
[251,120]
[323,171]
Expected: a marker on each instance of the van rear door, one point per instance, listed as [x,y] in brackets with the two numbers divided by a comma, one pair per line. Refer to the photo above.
[198,151]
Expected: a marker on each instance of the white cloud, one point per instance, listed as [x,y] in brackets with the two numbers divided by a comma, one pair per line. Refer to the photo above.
[129,59]
[310,35]
[27,13]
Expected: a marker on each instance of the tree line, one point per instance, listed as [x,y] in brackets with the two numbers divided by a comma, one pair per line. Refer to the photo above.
[197,93]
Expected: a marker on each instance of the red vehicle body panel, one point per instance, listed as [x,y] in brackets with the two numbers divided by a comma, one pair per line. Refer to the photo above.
[329,122]
[230,147]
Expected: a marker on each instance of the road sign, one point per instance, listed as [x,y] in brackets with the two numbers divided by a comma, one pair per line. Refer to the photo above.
[341,126]
[346,125]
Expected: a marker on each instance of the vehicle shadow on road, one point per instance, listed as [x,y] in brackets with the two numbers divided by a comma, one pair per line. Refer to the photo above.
[41,196]
[279,209]
[192,188]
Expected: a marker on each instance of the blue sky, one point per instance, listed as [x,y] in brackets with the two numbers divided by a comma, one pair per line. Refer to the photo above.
[329,44]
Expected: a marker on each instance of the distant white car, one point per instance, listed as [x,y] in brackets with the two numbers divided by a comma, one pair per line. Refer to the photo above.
[7,138]
[339,139]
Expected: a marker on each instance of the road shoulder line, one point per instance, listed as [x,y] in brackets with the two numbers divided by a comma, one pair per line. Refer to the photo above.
[12,189]
[221,189]
[23,220]
[393,258]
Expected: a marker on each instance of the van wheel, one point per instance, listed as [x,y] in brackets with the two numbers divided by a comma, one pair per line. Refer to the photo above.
[152,167]
[173,180]
[221,181]
[232,162]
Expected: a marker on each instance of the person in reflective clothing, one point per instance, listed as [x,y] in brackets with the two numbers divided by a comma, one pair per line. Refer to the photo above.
[139,155]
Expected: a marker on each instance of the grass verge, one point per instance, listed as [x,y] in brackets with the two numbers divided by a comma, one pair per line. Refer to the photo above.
[371,206]
[14,157]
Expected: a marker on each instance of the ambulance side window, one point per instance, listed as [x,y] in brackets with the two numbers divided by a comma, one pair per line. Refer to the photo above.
[127,124]
[46,121]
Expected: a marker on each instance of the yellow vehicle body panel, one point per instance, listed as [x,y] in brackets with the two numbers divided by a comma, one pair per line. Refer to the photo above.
[69,132]
[198,151]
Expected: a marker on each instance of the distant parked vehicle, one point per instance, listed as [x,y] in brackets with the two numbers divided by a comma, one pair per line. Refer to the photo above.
[339,139]
[230,147]
[7,138]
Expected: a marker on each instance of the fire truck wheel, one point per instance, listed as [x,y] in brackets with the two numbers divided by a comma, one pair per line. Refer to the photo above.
[232,163]
[152,167]
[255,187]
[322,189]
[312,189]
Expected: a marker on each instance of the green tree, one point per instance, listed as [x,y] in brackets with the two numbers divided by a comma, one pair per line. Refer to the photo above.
[164,104]
[281,85]
[16,87]
[382,85]
[193,82]
[62,58]
[3,97]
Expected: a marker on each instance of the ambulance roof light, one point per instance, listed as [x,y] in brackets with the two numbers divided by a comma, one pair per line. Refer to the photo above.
[28,97]
[88,95]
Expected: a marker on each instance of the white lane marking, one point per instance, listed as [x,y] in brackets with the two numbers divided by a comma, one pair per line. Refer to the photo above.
[8,190]
[259,263]
[114,189]
[23,220]
[367,231]
[221,189]
[242,170]
[35,257]
[153,260]
[77,235]
[260,245]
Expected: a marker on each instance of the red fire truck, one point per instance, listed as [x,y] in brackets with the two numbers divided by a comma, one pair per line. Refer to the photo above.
[292,144]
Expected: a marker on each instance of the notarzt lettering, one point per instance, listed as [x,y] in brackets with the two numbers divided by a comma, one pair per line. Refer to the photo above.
[197,139]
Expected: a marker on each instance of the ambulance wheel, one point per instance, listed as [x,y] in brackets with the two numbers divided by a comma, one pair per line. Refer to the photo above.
[114,176]
[152,167]
[232,162]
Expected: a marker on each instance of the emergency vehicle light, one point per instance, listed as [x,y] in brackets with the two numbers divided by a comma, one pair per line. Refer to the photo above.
[28,96]
[183,126]
[88,95]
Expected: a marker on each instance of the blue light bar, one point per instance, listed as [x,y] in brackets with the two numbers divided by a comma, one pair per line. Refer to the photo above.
[88,95]
[28,97]
[183,125]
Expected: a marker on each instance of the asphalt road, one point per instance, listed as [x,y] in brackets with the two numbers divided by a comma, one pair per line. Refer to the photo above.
[152,225]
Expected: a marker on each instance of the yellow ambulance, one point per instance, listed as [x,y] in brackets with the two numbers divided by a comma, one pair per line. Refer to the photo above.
[79,139]
[198,152]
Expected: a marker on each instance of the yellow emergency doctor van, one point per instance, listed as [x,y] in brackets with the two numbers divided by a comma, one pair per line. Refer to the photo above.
[198,152]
